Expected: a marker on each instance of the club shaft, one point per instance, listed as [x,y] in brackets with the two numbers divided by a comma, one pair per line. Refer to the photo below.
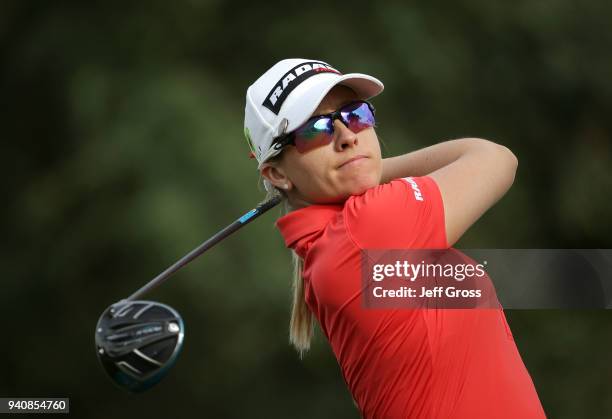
[242,221]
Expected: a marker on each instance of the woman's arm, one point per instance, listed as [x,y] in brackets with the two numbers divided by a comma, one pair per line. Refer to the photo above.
[426,160]
[471,173]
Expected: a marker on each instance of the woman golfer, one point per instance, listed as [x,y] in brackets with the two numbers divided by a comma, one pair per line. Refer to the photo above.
[312,132]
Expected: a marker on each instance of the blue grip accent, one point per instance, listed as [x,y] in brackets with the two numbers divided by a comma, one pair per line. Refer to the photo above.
[248,215]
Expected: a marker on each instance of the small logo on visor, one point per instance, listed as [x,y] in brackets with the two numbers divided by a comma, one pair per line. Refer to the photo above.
[291,80]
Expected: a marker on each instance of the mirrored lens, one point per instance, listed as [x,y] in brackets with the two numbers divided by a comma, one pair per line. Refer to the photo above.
[313,134]
[319,131]
[358,117]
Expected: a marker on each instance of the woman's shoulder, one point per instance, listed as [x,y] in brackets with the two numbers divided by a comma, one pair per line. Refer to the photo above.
[399,210]
[401,190]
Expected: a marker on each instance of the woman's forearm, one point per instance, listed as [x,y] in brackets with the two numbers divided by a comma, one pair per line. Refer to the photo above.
[429,159]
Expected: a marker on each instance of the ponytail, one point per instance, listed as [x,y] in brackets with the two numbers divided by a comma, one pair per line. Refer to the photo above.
[301,325]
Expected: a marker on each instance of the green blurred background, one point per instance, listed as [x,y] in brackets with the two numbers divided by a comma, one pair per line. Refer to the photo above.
[122,149]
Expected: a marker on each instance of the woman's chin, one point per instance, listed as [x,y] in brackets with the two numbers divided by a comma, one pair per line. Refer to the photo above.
[359,188]
[355,185]
[358,180]
[363,182]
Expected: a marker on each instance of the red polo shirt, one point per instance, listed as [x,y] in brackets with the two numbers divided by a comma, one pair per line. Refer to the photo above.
[404,363]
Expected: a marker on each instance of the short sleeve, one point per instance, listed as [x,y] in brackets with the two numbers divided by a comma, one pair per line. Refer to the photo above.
[404,213]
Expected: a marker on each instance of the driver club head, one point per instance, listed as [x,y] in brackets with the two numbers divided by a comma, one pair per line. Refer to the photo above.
[138,341]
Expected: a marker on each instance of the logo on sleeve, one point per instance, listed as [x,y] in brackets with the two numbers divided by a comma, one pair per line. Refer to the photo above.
[292,79]
[415,188]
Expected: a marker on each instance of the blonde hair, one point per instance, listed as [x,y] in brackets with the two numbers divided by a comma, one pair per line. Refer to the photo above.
[301,324]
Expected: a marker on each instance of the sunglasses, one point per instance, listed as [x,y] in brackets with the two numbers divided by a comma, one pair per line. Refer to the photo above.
[319,130]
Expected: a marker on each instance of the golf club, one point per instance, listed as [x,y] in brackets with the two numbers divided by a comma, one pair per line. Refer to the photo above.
[137,341]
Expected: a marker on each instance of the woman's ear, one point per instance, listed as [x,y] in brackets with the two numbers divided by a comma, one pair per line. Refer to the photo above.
[276,176]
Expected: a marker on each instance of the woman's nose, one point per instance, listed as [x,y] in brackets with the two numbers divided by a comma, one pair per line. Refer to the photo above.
[345,138]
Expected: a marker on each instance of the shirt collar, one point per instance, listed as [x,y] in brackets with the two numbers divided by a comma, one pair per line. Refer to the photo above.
[300,226]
